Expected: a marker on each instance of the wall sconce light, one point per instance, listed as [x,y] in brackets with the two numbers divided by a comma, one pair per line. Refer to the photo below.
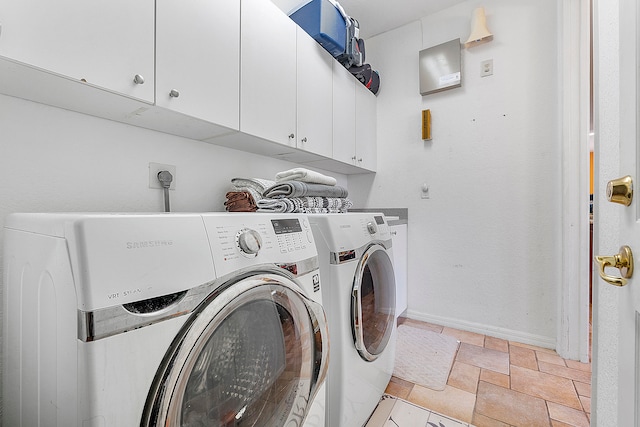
[479,31]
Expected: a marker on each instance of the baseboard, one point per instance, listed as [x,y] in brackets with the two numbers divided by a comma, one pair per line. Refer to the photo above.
[493,331]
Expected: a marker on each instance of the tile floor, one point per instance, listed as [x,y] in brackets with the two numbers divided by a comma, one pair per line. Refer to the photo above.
[499,383]
[393,412]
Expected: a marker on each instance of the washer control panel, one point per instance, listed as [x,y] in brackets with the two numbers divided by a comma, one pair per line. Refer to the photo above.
[374,227]
[292,234]
[241,240]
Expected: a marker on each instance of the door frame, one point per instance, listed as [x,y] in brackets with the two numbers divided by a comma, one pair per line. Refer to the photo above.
[574,62]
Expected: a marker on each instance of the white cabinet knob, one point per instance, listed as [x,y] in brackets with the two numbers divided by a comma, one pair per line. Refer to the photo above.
[174,93]
[138,79]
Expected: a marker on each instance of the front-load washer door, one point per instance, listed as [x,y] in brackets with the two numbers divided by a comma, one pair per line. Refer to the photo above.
[252,355]
[373,302]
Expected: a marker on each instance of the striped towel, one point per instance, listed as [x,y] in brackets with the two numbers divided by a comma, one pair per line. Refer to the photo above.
[302,189]
[305,205]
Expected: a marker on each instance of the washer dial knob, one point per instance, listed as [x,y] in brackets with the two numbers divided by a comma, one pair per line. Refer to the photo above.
[249,241]
[372,228]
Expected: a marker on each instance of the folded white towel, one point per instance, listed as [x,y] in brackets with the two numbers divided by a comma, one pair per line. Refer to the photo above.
[305,175]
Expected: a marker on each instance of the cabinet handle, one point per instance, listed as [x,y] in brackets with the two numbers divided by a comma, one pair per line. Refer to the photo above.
[360,159]
[138,79]
[291,136]
[353,158]
[304,139]
[174,93]
[393,233]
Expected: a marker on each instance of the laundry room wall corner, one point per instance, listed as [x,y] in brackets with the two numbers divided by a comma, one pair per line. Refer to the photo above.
[487,236]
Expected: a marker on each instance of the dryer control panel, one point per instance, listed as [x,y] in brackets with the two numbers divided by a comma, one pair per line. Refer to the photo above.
[244,240]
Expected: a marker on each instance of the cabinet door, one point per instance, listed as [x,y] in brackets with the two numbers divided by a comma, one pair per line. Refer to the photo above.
[198,59]
[103,42]
[268,72]
[315,116]
[344,124]
[366,141]
[399,241]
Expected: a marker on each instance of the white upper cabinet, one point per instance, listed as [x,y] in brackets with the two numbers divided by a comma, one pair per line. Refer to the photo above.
[366,141]
[198,59]
[344,116]
[354,121]
[314,94]
[237,73]
[268,73]
[107,43]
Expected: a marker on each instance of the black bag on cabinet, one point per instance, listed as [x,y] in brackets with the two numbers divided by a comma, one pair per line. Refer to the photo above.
[368,77]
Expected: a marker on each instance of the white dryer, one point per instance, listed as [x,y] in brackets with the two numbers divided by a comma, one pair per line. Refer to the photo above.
[359,299]
[162,319]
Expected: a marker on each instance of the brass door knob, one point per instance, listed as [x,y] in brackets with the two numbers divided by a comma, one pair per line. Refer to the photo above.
[622,261]
[620,190]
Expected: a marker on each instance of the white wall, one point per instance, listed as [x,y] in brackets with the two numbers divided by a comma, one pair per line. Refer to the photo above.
[54,160]
[485,249]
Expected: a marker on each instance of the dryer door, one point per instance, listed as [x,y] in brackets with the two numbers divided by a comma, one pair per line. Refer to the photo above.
[251,355]
[373,302]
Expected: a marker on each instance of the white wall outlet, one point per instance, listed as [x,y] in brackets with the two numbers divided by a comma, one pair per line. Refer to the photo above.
[154,168]
[486,68]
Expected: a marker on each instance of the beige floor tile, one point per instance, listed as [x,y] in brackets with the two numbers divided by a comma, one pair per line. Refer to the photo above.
[567,415]
[496,344]
[465,336]
[495,378]
[523,357]
[543,356]
[464,376]
[545,386]
[573,364]
[480,420]
[574,374]
[582,388]
[399,387]
[451,401]
[485,358]
[483,365]
[586,403]
[511,407]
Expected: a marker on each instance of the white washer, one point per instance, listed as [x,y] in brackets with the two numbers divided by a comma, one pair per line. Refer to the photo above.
[162,319]
[359,299]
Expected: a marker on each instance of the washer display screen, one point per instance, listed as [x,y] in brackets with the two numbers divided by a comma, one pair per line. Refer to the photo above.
[285,226]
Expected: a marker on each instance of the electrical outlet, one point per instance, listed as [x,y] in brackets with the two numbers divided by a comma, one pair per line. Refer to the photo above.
[486,68]
[154,168]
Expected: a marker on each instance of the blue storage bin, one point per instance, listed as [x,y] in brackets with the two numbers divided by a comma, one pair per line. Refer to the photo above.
[322,21]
